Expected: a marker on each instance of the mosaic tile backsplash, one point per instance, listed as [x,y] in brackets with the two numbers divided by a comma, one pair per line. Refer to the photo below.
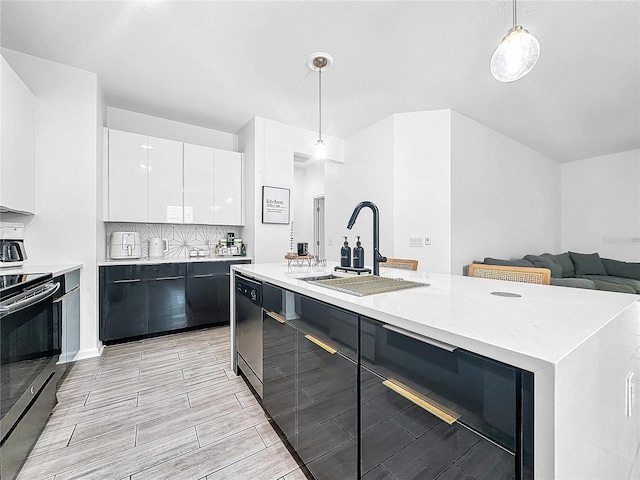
[181,238]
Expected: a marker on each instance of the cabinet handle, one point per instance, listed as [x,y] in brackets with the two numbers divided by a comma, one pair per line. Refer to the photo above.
[128,281]
[431,406]
[322,345]
[421,338]
[168,278]
[277,317]
[59,299]
[203,276]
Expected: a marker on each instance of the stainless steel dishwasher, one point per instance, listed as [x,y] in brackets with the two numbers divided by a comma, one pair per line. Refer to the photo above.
[248,298]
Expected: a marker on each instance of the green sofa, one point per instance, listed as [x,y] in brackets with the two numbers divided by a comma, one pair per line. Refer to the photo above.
[582,270]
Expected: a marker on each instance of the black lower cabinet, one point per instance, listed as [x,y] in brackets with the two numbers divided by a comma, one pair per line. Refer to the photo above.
[431,412]
[139,300]
[124,310]
[167,304]
[208,292]
[359,399]
[310,379]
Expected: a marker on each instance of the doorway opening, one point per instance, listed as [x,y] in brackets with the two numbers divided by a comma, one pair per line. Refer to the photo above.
[318,226]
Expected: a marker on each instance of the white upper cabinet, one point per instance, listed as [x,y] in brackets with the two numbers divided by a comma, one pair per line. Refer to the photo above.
[198,184]
[154,180]
[165,180]
[18,165]
[227,188]
[128,183]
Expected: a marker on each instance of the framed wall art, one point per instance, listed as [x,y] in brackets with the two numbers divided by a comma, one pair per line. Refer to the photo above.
[275,205]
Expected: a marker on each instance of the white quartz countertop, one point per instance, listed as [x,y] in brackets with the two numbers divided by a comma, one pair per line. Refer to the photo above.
[531,332]
[56,270]
[154,261]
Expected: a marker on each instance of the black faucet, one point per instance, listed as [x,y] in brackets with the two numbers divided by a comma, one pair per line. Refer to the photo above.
[377,258]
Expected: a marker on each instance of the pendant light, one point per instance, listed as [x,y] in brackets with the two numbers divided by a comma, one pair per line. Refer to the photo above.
[516,55]
[318,62]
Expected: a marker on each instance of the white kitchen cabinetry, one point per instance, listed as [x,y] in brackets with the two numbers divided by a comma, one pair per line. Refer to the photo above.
[18,166]
[165,180]
[227,188]
[145,178]
[128,183]
[154,180]
[198,184]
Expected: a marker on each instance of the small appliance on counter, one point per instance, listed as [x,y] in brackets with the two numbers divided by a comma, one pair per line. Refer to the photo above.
[303,248]
[125,245]
[158,247]
[12,253]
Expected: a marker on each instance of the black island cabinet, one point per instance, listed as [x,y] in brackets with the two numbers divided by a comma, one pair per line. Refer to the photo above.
[360,399]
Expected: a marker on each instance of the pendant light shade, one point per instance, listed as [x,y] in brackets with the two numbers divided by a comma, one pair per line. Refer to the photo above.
[516,55]
[317,62]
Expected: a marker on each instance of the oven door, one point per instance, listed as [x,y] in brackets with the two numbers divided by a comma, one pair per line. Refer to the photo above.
[29,349]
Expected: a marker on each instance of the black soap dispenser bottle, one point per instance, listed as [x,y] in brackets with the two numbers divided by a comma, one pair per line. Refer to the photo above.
[358,255]
[345,254]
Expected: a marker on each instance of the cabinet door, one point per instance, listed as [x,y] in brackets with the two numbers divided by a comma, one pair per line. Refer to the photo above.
[198,184]
[280,372]
[167,304]
[451,409]
[124,310]
[165,181]
[18,146]
[326,389]
[128,186]
[227,188]
[203,300]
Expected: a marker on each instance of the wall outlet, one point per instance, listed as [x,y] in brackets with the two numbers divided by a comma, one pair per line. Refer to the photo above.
[330,242]
[427,240]
[629,395]
[416,241]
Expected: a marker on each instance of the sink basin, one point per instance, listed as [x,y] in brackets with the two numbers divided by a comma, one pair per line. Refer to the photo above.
[363,285]
[326,276]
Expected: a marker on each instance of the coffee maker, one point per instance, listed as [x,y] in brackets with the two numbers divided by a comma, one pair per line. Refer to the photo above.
[12,252]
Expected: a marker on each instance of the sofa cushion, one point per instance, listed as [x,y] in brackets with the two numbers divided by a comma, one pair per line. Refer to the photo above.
[573,282]
[617,268]
[507,263]
[542,261]
[587,264]
[614,284]
[546,261]
[568,269]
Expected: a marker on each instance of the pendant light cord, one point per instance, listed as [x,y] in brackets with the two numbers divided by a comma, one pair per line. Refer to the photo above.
[320,104]
[515,18]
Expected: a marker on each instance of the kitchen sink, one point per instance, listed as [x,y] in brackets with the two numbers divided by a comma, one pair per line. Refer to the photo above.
[327,276]
[363,285]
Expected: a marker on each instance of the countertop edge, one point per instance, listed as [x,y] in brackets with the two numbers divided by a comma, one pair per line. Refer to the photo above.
[157,261]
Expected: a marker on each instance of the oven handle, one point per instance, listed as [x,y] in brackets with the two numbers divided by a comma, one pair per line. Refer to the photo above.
[48,289]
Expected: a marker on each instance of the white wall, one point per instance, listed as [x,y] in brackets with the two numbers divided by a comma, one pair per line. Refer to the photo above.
[505,196]
[422,188]
[65,230]
[308,184]
[366,174]
[269,150]
[601,206]
[128,121]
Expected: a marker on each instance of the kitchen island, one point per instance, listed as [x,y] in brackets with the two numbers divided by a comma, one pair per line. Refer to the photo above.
[581,347]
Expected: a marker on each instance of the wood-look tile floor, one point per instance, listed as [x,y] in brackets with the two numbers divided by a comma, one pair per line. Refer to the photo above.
[161,408]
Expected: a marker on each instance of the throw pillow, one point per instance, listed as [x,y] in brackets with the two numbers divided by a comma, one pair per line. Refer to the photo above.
[545,262]
[568,270]
[588,264]
[507,263]
[616,268]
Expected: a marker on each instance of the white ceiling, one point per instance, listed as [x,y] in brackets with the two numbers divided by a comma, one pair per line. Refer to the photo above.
[218,64]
